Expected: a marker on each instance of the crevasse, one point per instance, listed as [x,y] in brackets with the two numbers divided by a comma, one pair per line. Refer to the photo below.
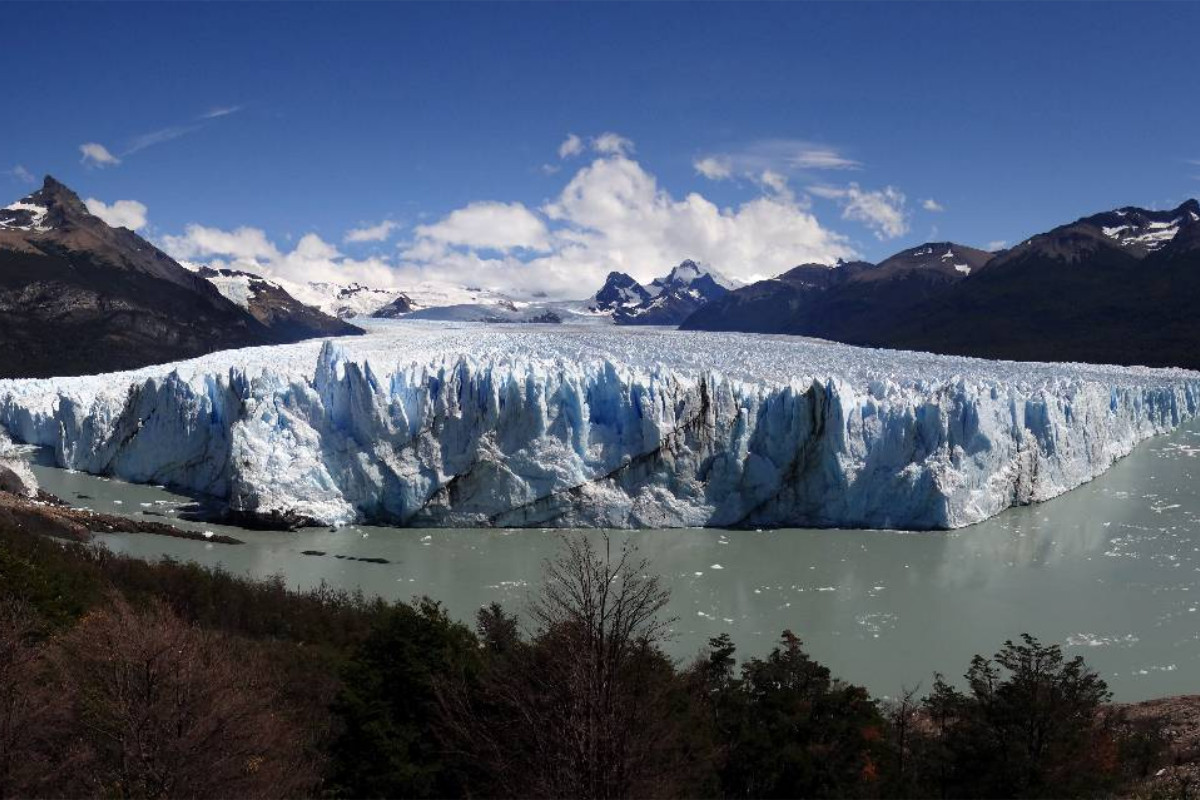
[476,426]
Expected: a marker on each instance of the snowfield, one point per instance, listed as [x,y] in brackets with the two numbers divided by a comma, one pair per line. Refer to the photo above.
[597,426]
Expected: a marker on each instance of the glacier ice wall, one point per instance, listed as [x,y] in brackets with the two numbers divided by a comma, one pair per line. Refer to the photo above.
[428,424]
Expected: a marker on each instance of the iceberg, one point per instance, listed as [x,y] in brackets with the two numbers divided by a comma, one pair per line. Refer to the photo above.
[441,424]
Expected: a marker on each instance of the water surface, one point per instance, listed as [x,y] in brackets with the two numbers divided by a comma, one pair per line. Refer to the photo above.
[1110,570]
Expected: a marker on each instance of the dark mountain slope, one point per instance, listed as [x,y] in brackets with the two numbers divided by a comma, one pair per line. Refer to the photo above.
[274,307]
[80,297]
[848,302]
[1120,287]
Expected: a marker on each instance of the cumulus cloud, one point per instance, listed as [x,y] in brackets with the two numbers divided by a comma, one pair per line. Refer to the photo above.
[999,244]
[121,214]
[372,233]
[612,214]
[97,155]
[487,226]
[929,204]
[881,210]
[571,146]
[249,249]
[612,144]
[713,168]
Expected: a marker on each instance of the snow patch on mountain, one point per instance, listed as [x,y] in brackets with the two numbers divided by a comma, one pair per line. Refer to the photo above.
[24,216]
[485,425]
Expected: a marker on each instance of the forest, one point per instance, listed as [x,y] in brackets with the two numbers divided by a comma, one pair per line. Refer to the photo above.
[124,678]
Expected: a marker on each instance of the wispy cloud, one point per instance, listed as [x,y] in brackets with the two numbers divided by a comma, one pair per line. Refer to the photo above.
[881,210]
[612,144]
[929,204]
[97,155]
[571,146]
[220,111]
[20,174]
[779,156]
[139,143]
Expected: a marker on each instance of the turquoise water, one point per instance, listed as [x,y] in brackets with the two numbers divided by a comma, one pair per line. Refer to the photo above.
[1110,571]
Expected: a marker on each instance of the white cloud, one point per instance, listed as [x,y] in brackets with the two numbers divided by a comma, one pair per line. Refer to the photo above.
[713,168]
[243,244]
[612,215]
[487,226]
[881,210]
[220,111]
[612,144]
[97,155]
[152,138]
[571,146]
[929,204]
[312,259]
[121,214]
[781,156]
[774,182]
[372,233]
[999,244]
[22,175]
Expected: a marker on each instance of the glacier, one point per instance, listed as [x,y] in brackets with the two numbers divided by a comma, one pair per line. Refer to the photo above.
[442,424]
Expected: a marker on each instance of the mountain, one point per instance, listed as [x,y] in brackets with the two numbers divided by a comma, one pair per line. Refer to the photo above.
[846,302]
[272,305]
[1120,287]
[344,301]
[666,301]
[401,306]
[78,296]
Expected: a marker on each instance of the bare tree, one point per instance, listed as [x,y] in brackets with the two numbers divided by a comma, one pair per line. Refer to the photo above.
[26,707]
[158,708]
[582,709]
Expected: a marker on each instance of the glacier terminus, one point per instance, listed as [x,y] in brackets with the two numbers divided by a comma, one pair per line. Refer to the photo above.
[477,425]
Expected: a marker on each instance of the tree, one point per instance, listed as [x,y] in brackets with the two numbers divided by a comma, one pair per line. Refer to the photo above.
[157,708]
[800,733]
[590,707]
[1028,727]
[388,709]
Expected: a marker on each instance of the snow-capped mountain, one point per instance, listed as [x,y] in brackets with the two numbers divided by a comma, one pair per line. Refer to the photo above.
[271,304]
[78,296]
[664,301]
[844,302]
[619,291]
[532,425]
[1117,287]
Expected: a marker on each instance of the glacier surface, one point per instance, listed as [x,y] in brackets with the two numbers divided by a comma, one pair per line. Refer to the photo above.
[589,426]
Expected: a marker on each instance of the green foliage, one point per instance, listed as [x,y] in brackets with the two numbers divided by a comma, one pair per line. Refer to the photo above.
[388,704]
[1028,726]
[397,699]
[788,728]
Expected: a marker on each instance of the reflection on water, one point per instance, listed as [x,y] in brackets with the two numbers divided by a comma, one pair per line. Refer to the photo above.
[1109,570]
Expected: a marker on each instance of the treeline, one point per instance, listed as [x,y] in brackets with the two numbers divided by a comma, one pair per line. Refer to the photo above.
[128,679]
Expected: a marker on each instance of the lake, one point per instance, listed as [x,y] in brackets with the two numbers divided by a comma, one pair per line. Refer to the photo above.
[1110,571]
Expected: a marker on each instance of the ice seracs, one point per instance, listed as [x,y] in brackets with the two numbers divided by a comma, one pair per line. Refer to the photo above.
[484,425]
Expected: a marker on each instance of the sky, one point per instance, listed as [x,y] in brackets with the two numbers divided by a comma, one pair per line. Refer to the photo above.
[532,148]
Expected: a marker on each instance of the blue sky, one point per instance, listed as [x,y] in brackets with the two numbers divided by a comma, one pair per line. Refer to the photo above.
[753,136]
